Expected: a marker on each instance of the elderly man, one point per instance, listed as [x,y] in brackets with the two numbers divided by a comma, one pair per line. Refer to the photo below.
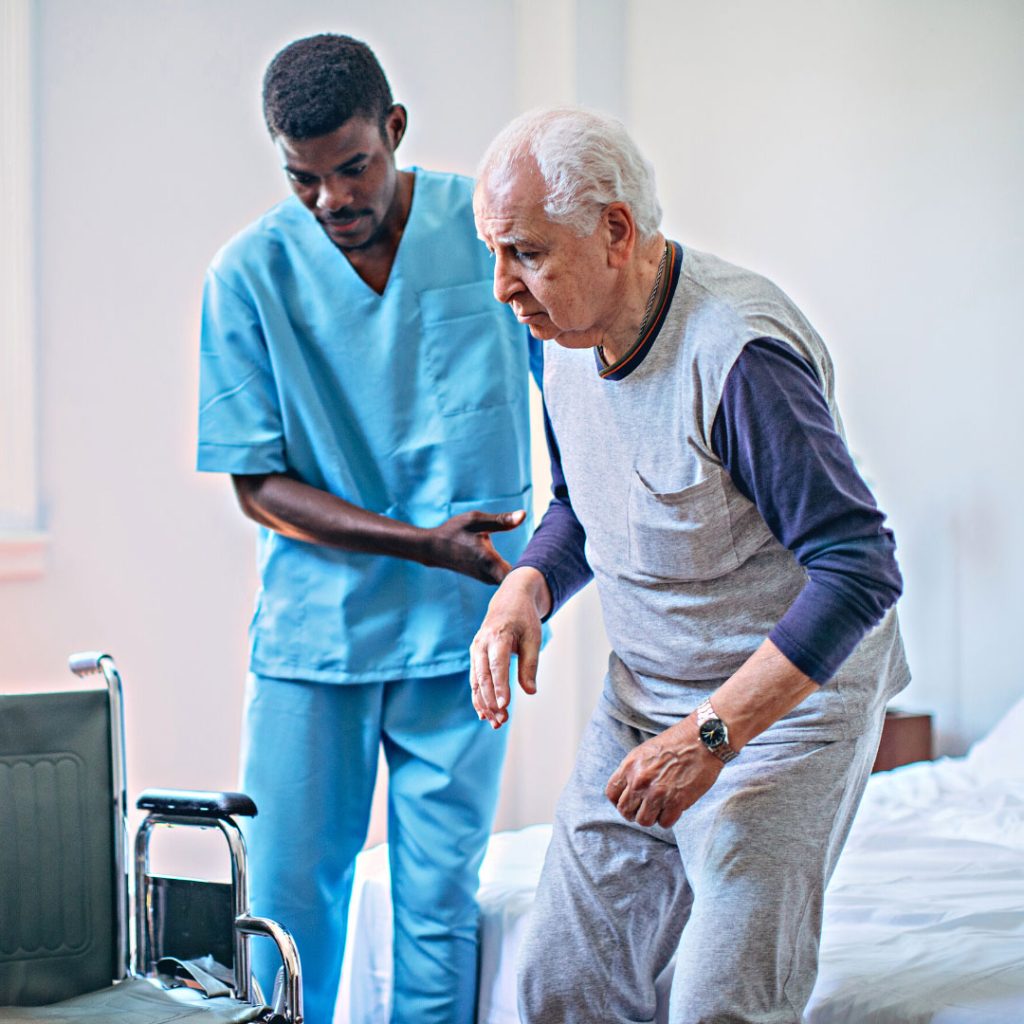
[746,581]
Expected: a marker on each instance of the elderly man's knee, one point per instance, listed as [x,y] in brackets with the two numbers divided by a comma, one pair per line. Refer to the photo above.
[550,975]
[548,996]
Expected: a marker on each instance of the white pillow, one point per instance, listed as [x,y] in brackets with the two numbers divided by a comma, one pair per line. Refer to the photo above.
[1000,754]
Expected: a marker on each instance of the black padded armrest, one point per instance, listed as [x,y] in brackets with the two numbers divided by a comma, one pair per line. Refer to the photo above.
[196,803]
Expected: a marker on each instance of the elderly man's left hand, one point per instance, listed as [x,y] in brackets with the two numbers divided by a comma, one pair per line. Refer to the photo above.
[659,779]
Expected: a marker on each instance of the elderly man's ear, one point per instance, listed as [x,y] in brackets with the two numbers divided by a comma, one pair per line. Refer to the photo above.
[621,233]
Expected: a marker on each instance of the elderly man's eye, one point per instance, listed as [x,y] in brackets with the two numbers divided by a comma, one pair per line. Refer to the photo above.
[524,256]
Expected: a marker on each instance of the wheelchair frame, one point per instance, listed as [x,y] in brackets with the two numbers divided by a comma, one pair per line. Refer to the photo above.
[191,809]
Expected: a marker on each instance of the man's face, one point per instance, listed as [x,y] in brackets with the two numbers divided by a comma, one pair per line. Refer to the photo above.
[347,178]
[558,284]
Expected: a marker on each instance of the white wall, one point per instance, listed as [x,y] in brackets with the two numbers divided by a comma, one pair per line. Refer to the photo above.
[150,153]
[865,156]
[869,157]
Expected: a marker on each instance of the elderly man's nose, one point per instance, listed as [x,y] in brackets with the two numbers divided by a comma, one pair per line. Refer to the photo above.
[506,282]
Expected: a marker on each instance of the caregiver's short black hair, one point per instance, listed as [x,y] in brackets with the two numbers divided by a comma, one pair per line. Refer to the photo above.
[314,85]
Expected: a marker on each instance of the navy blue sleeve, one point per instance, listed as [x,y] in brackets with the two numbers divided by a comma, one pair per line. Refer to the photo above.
[556,548]
[777,440]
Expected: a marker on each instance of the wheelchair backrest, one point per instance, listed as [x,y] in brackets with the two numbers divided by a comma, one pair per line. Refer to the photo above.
[58,829]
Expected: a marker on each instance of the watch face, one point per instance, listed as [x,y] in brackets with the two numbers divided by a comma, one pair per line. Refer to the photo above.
[713,733]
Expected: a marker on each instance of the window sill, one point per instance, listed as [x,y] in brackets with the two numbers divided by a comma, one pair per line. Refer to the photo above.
[22,555]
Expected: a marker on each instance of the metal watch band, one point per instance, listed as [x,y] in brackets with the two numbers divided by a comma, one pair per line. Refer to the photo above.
[721,750]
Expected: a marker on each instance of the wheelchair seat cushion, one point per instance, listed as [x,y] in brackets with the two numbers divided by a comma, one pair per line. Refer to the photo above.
[136,1001]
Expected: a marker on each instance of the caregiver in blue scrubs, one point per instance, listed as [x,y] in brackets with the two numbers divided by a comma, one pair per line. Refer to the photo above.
[368,396]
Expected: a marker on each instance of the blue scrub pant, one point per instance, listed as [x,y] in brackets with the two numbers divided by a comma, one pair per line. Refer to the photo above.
[309,761]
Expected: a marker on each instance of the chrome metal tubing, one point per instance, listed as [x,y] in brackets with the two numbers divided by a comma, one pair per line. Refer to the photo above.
[239,883]
[143,909]
[83,664]
[289,953]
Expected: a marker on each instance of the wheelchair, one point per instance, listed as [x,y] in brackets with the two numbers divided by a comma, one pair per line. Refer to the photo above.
[67,953]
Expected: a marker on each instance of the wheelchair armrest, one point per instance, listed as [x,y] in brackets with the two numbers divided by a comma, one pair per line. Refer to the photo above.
[196,803]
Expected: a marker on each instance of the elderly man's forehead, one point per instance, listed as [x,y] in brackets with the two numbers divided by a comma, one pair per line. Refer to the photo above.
[517,182]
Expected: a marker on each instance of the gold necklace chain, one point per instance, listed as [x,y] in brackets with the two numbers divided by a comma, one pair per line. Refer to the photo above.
[649,308]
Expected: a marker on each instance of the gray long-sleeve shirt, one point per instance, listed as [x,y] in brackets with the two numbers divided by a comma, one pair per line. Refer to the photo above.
[796,519]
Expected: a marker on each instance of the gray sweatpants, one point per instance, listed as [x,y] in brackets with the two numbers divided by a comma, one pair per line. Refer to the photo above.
[735,887]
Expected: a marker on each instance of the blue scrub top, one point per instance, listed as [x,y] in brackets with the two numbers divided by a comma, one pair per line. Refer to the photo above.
[412,404]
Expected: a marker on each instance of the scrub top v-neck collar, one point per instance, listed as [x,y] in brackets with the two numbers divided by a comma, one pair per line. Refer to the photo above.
[334,261]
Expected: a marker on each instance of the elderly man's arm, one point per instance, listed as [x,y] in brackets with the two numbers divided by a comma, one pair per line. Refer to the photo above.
[776,438]
[551,569]
[660,778]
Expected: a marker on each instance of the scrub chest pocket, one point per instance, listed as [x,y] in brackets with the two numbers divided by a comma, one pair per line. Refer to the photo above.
[469,337]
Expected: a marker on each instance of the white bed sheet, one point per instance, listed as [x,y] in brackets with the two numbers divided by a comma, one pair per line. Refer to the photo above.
[508,880]
[924,919]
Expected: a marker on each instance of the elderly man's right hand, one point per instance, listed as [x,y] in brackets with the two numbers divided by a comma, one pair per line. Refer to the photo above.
[511,626]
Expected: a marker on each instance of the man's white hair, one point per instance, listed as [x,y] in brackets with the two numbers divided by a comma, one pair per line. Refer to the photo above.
[587,160]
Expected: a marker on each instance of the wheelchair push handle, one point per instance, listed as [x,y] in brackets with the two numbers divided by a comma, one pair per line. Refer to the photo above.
[86,663]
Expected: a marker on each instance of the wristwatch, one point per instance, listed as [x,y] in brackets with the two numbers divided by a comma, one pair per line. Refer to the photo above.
[714,733]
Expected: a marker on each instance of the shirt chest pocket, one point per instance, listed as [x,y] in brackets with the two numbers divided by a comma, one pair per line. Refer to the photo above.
[682,535]
[473,353]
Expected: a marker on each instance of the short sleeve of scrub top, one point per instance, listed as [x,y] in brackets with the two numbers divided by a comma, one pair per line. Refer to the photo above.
[240,426]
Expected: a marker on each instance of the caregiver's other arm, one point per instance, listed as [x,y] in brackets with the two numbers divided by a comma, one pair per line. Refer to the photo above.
[301,512]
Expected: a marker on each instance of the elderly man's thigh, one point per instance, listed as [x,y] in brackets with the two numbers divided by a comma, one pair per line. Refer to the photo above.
[610,904]
[614,898]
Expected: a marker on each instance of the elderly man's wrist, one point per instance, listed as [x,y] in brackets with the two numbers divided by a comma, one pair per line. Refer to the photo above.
[713,732]
[531,581]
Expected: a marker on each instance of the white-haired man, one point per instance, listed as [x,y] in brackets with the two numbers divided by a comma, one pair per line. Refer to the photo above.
[746,581]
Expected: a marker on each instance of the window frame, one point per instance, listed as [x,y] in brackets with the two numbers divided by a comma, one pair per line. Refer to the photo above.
[22,542]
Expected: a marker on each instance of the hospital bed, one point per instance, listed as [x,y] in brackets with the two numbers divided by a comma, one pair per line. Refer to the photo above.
[924,917]
[66,936]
